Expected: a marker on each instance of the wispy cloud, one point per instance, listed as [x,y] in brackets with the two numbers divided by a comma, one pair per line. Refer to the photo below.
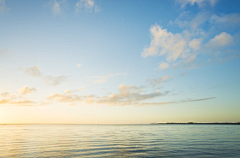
[50,80]
[57,6]
[88,5]
[200,3]
[156,83]
[26,90]
[3,6]
[20,103]
[127,95]
[102,79]
[193,100]
[54,81]
[33,71]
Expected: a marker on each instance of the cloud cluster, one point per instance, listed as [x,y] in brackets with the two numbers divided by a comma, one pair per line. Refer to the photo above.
[26,90]
[50,80]
[200,3]
[214,41]
[88,5]
[17,99]
[127,95]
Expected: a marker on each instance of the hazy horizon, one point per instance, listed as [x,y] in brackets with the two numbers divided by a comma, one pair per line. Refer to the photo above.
[119,62]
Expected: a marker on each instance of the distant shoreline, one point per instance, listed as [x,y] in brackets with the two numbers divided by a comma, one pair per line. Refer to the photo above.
[194,123]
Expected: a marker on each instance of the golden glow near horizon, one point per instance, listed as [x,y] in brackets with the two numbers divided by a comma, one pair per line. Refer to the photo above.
[81,62]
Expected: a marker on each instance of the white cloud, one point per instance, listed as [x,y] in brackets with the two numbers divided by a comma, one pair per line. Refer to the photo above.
[50,80]
[88,5]
[226,20]
[200,3]
[195,44]
[163,66]
[79,65]
[183,49]
[156,83]
[103,79]
[127,95]
[2,6]
[56,7]
[54,81]
[33,71]
[221,40]
[26,90]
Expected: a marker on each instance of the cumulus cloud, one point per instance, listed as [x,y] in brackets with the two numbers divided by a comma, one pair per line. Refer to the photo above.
[221,40]
[174,46]
[102,79]
[54,81]
[202,35]
[88,5]
[26,90]
[195,44]
[200,3]
[8,98]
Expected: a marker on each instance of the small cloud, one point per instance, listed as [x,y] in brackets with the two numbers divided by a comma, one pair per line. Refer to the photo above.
[26,90]
[54,81]
[57,6]
[3,6]
[88,5]
[82,89]
[33,71]
[5,94]
[3,51]
[200,3]
[221,40]
[100,81]
[79,65]
[51,80]
[195,44]
[103,79]
[163,66]
[159,81]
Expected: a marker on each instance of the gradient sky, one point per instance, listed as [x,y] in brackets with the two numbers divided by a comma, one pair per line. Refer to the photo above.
[118,62]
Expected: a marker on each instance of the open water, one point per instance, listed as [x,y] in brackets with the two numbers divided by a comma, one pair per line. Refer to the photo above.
[120,141]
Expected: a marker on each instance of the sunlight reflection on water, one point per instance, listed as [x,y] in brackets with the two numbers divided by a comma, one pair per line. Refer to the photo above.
[119,141]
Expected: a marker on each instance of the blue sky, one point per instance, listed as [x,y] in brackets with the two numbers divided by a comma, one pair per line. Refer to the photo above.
[95,61]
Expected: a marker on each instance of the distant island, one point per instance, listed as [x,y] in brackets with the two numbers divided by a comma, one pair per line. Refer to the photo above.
[197,123]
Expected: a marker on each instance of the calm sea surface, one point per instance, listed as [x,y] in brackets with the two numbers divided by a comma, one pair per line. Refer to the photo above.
[120,141]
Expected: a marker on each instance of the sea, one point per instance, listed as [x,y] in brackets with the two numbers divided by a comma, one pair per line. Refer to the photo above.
[153,140]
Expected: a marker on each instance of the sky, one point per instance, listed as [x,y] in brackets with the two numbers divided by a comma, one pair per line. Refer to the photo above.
[119,62]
